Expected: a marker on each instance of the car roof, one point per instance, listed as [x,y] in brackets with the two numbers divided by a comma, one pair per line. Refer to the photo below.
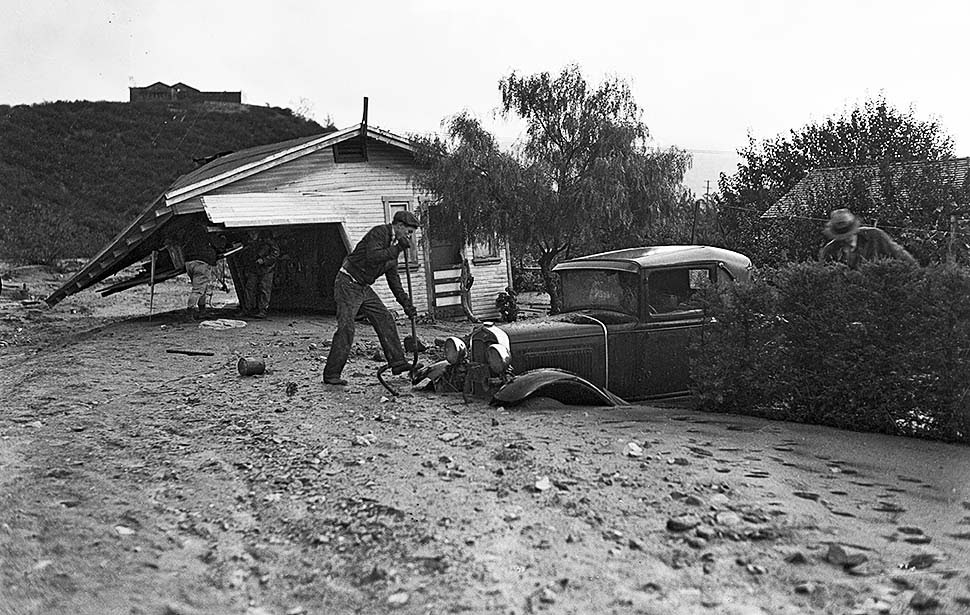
[646,257]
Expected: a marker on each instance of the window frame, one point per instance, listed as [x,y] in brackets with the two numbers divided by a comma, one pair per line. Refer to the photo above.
[391,205]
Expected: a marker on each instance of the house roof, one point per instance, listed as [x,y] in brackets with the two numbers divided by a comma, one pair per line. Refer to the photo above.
[819,183]
[134,242]
[635,259]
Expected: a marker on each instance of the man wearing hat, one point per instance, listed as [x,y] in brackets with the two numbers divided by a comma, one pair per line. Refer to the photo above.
[853,244]
[376,254]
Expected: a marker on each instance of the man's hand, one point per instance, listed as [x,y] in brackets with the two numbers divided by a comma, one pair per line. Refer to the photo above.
[410,311]
[403,244]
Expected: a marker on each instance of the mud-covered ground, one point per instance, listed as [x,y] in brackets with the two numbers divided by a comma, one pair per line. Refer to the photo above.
[138,480]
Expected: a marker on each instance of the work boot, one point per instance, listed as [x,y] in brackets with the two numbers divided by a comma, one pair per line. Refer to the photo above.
[193,314]
[334,380]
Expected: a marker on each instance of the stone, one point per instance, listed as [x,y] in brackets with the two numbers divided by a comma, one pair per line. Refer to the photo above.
[727,518]
[922,601]
[398,599]
[682,523]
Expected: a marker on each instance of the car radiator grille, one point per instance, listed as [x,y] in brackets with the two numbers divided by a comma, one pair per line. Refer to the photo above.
[578,360]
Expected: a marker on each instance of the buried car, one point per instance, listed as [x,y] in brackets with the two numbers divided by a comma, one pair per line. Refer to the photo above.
[627,323]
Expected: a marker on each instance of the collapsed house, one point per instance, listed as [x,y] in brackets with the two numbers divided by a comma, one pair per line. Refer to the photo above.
[318,195]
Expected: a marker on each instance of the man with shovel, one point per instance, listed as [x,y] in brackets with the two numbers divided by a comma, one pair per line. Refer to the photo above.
[376,254]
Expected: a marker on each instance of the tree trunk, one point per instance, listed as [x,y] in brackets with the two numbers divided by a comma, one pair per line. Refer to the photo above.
[550,281]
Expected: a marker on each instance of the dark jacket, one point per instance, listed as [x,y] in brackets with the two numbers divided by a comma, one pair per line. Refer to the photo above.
[374,255]
[265,253]
[197,245]
[872,244]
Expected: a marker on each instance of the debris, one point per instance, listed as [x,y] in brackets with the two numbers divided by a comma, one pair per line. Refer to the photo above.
[542,483]
[250,367]
[920,561]
[683,523]
[364,440]
[191,353]
[222,323]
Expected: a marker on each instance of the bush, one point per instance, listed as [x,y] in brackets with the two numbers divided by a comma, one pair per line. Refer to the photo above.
[882,349]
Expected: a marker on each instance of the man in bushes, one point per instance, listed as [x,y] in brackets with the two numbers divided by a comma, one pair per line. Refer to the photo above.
[853,244]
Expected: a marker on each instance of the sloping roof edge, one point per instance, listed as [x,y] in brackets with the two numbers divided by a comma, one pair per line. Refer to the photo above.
[123,249]
[247,168]
[956,170]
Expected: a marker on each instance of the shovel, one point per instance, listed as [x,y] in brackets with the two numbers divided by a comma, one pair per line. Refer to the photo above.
[415,343]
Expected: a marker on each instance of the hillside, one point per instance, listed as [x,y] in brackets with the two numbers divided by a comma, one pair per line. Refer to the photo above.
[72,174]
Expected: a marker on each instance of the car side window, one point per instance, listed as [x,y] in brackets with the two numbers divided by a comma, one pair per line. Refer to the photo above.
[673,290]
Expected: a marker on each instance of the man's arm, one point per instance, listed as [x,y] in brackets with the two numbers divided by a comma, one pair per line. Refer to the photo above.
[394,283]
[378,247]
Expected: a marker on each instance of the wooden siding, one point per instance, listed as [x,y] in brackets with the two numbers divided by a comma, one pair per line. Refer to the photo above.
[360,189]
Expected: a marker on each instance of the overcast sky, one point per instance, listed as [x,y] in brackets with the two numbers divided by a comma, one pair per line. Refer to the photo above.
[706,72]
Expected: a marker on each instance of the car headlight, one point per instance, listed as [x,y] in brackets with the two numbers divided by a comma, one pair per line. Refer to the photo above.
[498,358]
[455,350]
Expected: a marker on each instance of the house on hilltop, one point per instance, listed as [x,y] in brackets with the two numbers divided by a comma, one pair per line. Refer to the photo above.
[160,92]
[319,195]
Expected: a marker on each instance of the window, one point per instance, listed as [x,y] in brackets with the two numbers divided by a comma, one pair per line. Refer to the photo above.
[486,251]
[393,205]
[600,289]
[672,290]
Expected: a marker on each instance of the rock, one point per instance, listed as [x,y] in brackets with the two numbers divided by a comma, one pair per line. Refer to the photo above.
[632,449]
[796,558]
[449,436]
[705,532]
[635,544]
[398,599]
[727,518]
[718,499]
[364,440]
[542,483]
[547,596]
[682,523]
[805,587]
[838,556]
[693,500]
[921,601]
[121,530]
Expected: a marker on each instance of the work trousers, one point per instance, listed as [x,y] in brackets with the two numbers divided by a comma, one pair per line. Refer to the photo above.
[259,287]
[353,298]
[202,276]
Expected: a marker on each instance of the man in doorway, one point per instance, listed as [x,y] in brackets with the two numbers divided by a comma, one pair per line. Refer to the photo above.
[376,254]
[853,244]
[260,256]
[200,261]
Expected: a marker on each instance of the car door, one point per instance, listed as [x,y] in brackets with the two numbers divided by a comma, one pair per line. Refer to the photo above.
[671,318]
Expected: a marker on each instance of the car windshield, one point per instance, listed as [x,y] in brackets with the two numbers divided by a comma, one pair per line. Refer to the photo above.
[600,289]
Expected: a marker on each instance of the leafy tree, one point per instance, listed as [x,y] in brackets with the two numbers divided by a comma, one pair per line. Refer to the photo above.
[583,180]
[873,133]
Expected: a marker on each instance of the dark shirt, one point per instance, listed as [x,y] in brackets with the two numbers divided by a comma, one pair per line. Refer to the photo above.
[197,245]
[374,255]
[871,244]
[265,253]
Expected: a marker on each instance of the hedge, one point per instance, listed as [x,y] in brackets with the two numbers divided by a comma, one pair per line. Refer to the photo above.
[884,349]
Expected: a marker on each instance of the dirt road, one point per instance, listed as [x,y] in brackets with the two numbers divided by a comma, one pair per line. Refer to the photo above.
[134,480]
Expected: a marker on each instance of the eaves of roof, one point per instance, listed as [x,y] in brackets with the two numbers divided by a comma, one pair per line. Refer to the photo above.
[819,182]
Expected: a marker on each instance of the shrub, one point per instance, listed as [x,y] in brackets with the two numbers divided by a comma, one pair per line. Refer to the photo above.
[881,349]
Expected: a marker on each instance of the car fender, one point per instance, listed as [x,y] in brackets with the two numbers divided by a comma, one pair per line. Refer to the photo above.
[557,384]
